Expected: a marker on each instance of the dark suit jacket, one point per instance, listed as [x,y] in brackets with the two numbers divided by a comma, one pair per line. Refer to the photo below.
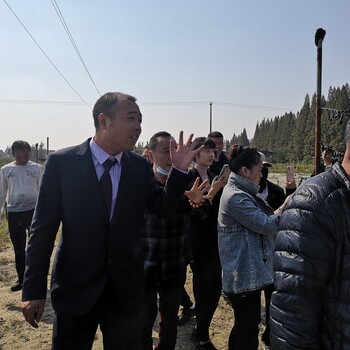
[90,247]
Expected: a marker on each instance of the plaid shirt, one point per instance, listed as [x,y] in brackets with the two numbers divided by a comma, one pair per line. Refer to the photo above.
[166,247]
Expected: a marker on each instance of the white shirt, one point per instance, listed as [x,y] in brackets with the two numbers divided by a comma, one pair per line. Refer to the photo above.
[99,156]
[19,186]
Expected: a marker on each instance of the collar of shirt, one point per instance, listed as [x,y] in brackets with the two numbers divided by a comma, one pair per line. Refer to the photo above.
[264,194]
[101,155]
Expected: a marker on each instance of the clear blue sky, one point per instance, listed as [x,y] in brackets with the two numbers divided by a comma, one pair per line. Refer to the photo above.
[175,56]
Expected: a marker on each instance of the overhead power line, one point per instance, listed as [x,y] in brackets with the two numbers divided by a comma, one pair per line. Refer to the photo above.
[229,104]
[48,58]
[41,102]
[65,26]
[165,103]
[239,105]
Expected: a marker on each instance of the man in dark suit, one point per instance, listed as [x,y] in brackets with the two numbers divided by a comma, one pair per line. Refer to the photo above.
[97,276]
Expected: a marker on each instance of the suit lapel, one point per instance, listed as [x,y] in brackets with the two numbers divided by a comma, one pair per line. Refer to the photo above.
[89,178]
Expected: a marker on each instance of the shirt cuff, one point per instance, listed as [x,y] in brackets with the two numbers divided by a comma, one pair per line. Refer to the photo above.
[182,171]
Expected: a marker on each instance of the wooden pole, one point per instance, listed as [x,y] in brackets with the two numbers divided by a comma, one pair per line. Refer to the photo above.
[319,36]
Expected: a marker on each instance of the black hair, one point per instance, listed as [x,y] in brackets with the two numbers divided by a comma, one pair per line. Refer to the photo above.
[20,145]
[242,156]
[106,104]
[153,142]
[215,134]
[208,143]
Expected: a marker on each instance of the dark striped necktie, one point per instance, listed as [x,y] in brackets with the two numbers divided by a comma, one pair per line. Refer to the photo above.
[106,183]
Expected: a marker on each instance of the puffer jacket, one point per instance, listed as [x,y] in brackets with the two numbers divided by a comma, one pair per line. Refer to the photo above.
[311,306]
[247,229]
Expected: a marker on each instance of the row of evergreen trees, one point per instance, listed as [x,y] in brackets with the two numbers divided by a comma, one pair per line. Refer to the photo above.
[291,137]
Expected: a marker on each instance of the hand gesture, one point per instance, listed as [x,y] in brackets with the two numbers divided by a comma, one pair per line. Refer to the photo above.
[280,209]
[32,311]
[195,194]
[216,185]
[291,185]
[225,176]
[182,155]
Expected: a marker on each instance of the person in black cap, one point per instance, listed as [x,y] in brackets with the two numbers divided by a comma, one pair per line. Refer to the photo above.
[273,194]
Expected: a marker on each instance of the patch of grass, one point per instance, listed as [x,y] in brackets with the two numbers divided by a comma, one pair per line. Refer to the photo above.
[4,235]
[5,240]
[298,167]
[5,260]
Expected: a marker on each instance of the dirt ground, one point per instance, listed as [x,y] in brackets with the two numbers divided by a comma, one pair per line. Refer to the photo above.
[16,334]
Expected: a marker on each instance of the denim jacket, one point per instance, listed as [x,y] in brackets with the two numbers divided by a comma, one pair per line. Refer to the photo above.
[247,229]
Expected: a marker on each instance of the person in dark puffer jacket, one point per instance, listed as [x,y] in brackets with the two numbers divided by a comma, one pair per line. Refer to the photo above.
[311,306]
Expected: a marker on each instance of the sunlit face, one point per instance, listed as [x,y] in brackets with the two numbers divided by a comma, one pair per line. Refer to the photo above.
[145,153]
[219,144]
[161,154]
[121,131]
[21,156]
[254,174]
[205,157]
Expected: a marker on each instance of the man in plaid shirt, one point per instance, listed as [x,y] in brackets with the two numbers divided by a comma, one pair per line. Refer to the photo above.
[167,254]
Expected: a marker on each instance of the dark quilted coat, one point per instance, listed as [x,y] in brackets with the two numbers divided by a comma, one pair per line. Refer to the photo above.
[311,306]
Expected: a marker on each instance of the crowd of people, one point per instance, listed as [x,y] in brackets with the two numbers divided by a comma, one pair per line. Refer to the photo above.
[131,225]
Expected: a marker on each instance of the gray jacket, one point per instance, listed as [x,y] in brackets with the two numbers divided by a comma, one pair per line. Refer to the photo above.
[246,231]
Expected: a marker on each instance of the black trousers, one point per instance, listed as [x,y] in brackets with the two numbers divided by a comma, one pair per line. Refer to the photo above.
[19,224]
[185,301]
[207,292]
[120,329]
[169,298]
[244,334]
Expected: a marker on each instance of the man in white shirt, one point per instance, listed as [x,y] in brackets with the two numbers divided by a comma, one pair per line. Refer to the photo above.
[19,185]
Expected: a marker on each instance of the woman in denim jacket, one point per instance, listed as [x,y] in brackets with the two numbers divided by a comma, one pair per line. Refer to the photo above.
[247,227]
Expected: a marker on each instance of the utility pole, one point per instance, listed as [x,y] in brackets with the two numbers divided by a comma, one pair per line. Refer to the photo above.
[36,153]
[211,116]
[319,36]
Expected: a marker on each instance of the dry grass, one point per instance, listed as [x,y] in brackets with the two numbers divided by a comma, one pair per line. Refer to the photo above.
[4,235]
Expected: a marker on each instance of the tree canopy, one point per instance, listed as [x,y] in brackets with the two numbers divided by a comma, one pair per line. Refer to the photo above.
[291,137]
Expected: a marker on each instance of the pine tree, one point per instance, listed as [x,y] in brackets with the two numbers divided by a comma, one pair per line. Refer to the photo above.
[244,138]
[292,136]
[298,140]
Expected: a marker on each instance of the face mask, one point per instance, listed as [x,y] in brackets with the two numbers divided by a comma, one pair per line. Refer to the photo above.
[162,171]
[265,174]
